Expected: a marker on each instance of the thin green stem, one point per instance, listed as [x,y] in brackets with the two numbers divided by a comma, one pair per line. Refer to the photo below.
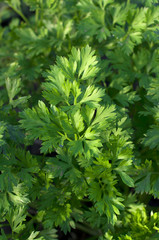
[67,102]
[68,139]
[20,14]
[85,200]
[87,229]
[42,10]
[86,181]
[37,17]
[75,100]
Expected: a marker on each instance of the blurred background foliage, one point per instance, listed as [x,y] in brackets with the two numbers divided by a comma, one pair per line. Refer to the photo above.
[125,37]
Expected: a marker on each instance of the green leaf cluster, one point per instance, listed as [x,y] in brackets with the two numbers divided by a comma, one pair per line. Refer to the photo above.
[79,119]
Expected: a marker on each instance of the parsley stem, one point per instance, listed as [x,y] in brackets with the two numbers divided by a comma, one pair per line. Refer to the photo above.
[20,14]
[88,230]
[37,17]
[68,103]
[42,11]
[75,100]
[69,139]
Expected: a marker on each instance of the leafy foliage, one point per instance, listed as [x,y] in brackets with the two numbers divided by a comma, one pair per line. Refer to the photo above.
[79,118]
[82,126]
